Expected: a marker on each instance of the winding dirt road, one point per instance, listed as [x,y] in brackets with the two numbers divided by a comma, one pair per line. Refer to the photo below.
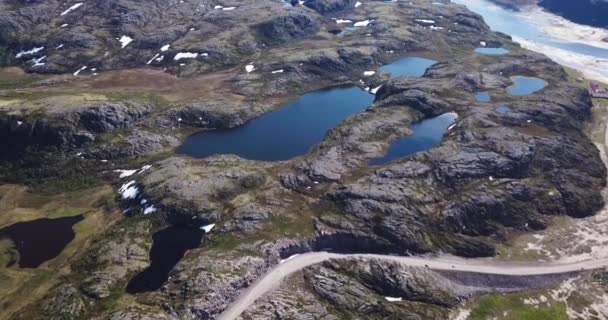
[485,266]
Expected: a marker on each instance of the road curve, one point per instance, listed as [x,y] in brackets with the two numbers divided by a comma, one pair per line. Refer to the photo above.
[486,266]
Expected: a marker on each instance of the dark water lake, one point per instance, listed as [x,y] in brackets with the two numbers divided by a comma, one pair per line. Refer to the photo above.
[40,240]
[292,130]
[285,133]
[427,133]
[168,248]
[525,85]
[492,51]
[482,96]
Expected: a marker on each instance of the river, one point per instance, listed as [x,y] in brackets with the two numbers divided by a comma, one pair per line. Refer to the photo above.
[570,44]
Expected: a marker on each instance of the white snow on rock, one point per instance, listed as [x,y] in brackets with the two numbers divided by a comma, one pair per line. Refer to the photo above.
[435,28]
[128,190]
[153,58]
[358,4]
[80,70]
[150,209]
[375,90]
[249,68]
[38,61]
[28,52]
[340,21]
[369,73]
[72,8]
[425,21]
[125,40]
[125,173]
[393,299]
[144,168]
[363,23]
[185,55]
[482,43]
[208,227]
[165,47]
[278,71]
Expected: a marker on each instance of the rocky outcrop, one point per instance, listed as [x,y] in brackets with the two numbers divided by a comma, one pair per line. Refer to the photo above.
[287,28]
[66,129]
[330,6]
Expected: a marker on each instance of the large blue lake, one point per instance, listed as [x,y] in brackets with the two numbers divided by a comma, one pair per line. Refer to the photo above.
[292,130]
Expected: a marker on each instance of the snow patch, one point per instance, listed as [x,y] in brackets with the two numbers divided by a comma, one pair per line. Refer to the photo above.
[185,55]
[72,8]
[28,52]
[150,209]
[208,227]
[80,70]
[393,299]
[363,23]
[128,190]
[125,40]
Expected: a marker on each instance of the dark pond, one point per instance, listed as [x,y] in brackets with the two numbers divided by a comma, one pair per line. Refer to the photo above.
[39,240]
[427,133]
[408,67]
[492,51]
[502,109]
[292,130]
[525,85]
[168,248]
[285,133]
[482,96]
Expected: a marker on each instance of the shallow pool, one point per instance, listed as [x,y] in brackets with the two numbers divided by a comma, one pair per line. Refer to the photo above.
[525,85]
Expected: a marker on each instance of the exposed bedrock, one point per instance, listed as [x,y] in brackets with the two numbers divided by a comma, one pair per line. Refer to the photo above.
[69,128]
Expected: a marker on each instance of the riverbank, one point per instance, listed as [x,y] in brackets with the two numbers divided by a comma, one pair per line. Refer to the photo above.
[591,67]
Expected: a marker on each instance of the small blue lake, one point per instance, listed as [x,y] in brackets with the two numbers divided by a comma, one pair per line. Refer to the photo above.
[482,96]
[492,51]
[408,67]
[427,133]
[292,130]
[525,85]
[502,109]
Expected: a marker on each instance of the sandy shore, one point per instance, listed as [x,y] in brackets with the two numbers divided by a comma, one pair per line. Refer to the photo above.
[564,30]
[591,67]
